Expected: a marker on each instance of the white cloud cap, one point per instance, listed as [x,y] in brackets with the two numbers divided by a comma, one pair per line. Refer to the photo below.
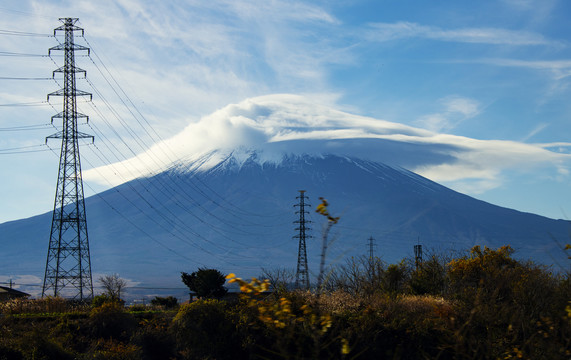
[276,125]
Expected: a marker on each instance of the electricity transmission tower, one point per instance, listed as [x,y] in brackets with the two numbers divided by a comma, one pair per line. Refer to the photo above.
[371,242]
[68,265]
[418,255]
[372,261]
[302,273]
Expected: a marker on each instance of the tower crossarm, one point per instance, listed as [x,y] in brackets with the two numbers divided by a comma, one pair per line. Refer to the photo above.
[74,47]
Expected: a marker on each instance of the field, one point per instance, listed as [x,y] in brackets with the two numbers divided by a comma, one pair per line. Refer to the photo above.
[482,305]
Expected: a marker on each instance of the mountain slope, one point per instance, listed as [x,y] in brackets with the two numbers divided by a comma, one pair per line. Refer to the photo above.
[238,216]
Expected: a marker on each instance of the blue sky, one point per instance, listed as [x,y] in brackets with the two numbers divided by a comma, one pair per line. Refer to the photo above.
[491,77]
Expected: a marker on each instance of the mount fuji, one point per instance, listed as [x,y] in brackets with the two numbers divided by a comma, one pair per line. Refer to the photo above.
[230,205]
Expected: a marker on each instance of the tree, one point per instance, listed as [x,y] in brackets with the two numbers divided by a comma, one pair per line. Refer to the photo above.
[429,277]
[280,278]
[113,285]
[205,283]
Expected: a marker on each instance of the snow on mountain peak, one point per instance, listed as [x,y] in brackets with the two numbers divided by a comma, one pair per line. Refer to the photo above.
[281,124]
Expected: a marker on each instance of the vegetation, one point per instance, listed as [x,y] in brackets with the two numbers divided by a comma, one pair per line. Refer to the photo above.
[205,283]
[483,305]
[113,285]
[169,302]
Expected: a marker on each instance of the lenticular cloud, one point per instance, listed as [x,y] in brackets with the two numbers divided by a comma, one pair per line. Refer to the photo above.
[273,126]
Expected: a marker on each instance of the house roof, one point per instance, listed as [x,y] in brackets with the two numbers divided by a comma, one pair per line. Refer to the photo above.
[12,292]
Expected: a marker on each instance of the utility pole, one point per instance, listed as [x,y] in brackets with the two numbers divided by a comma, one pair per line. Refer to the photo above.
[302,273]
[68,264]
[371,243]
[418,255]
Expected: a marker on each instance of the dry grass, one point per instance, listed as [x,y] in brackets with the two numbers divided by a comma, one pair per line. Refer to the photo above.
[339,302]
[48,305]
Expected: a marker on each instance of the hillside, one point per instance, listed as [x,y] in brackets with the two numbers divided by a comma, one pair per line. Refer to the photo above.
[238,216]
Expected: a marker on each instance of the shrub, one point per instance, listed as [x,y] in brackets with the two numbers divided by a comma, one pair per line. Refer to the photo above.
[37,345]
[204,329]
[395,278]
[398,327]
[99,300]
[169,302]
[8,353]
[138,308]
[289,326]
[429,277]
[42,306]
[111,321]
[360,275]
[504,304]
[114,350]
[154,338]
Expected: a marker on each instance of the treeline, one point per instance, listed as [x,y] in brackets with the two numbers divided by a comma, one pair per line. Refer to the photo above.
[482,305]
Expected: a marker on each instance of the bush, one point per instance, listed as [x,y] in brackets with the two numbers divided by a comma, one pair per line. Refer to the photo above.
[37,345]
[155,338]
[114,350]
[360,275]
[169,302]
[106,299]
[7,353]
[429,277]
[45,305]
[395,278]
[111,321]
[138,308]
[204,329]
[505,304]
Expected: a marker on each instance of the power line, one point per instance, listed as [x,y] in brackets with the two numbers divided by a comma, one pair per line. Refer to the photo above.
[22,152]
[25,128]
[22,33]
[24,13]
[169,187]
[165,187]
[129,101]
[16,54]
[130,221]
[13,283]
[22,149]
[24,78]
[31,103]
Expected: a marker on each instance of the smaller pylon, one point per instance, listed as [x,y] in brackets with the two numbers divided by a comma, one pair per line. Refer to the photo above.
[302,273]
[418,255]
[371,242]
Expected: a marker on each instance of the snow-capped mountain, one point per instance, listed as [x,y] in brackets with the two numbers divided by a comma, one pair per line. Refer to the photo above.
[221,194]
[238,216]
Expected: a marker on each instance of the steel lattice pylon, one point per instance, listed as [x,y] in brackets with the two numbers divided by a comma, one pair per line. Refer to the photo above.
[68,265]
[302,273]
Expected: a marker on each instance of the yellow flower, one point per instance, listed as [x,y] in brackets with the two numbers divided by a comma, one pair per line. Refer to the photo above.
[345,349]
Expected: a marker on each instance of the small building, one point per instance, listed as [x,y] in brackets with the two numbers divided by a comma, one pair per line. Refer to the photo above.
[7,293]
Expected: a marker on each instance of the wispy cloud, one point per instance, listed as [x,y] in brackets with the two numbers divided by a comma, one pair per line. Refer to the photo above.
[534,132]
[560,69]
[455,110]
[392,31]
